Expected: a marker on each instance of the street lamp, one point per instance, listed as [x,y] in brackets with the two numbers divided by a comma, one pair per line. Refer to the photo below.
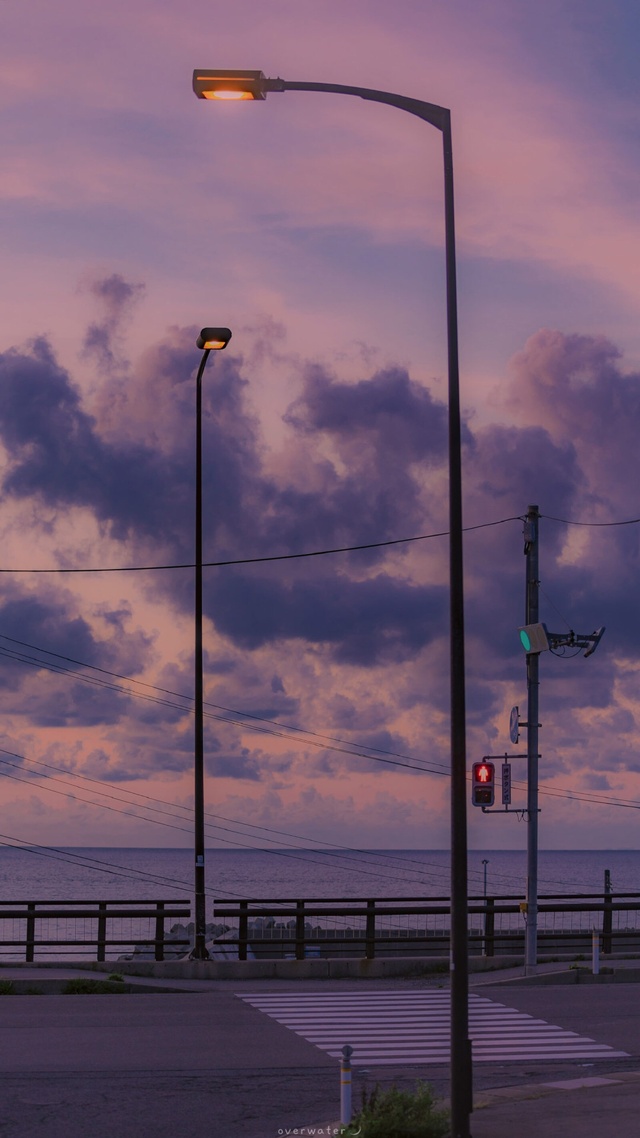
[210,339]
[254,85]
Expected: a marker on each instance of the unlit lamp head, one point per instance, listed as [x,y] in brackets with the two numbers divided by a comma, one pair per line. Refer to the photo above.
[213,339]
[229,84]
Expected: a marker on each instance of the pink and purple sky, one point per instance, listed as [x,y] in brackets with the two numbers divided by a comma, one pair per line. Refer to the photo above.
[132,215]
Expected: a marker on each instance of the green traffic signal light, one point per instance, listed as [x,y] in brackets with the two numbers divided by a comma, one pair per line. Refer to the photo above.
[533,638]
[525,640]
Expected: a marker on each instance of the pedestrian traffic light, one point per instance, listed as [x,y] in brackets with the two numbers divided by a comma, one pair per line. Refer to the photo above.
[483,783]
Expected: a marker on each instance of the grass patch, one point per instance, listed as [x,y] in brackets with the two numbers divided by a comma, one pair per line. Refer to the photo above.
[7,988]
[82,987]
[116,977]
[399,1114]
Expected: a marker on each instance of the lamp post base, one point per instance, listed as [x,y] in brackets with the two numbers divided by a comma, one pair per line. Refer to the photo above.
[199,950]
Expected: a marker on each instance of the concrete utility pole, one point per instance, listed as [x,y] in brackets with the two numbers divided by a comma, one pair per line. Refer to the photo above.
[531,617]
[536,638]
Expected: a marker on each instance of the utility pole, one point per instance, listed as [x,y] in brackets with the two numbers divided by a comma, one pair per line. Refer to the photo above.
[533,682]
[536,638]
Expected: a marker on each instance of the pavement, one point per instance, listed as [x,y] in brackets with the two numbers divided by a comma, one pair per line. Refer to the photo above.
[197,1059]
[604,1106]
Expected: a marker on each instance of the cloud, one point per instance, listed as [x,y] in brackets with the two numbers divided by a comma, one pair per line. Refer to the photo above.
[117,298]
[42,637]
[56,453]
[357,461]
[389,414]
[368,622]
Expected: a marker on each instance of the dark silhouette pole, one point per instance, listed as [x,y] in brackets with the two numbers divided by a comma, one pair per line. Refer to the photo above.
[209,339]
[254,85]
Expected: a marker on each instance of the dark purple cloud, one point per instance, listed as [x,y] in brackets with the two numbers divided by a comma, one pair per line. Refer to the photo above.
[57,455]
[388,416]
[378,620]
[42,637]
[365,461]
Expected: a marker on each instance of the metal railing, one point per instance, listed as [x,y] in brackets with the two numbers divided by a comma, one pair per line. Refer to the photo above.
[420,926]
[37,925]
[322,926]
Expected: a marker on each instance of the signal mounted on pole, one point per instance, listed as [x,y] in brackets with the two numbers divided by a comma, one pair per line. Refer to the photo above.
[536,638]
[483,784]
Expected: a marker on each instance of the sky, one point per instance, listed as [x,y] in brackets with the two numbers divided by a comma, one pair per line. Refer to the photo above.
[132,215]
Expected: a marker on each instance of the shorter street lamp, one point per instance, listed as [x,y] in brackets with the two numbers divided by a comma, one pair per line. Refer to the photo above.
[210,339]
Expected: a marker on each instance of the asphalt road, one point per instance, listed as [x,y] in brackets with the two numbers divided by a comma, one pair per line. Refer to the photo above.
[157,1066]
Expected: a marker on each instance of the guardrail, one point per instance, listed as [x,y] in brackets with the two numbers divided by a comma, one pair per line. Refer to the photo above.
[420,926]
[87,924]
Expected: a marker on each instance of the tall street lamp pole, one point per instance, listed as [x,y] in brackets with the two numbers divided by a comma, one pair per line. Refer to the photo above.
[254,85]
[210,339]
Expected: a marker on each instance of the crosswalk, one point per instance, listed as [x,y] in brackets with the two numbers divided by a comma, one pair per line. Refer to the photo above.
[391,1028]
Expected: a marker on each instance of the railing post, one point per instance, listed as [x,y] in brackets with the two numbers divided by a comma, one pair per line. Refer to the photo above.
[607,914]
[595,952]
[243,930]
[102,930]
[299,930]
[31,931]
[159,938]
[489,926]
[370,931]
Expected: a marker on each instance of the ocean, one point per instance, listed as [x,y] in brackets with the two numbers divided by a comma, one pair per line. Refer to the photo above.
[37,874]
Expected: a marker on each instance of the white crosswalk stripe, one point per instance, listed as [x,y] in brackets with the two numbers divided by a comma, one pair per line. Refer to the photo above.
[387,1028]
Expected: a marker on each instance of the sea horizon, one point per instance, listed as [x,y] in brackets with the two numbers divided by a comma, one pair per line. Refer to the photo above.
[38,872]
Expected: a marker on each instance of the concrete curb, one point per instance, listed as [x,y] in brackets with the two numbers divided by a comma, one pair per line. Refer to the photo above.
[539,1090]
[336,968]
[570,975]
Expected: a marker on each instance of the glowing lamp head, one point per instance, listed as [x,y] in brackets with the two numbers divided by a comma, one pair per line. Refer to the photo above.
[232,96]
[213,339]
[229,85]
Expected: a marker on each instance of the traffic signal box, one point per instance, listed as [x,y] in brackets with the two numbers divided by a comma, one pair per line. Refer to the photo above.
[483,782]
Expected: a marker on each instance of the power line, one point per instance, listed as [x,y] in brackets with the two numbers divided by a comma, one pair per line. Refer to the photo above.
[594,525]
[100,866]
[348,748]
[208,703]
[149,798]
[273,557]
[310,553]
[421,865]
[227,841]
[558,792]
[216,826]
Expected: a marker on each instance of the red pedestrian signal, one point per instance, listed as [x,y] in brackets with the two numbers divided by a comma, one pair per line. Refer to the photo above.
[483,784]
